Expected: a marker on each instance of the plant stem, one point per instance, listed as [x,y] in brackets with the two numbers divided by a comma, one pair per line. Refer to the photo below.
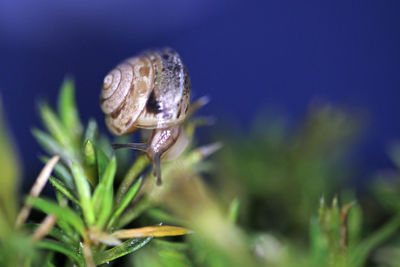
[87,254]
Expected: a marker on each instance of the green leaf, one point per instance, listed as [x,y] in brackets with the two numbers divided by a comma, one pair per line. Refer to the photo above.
[163,216]
[109,174]
[54,232]
[233,212]
[125,248]
[54,126]
[104,194]
[125,201]
[49,263]
[98,197]
[91,131]
[134,212]
[48,260]
[124,156]
[68,110]
[90,162]
[103,142]
[166,257]
[62,248]
[167,245]
[89,153]
[60,186]
[362,251]
[83,188]
[50,145]
[137,167]
[62,172]
[102,162]
[62,213]
[10,172]
[354,223]
[106,181]
[171,258]
[106,209]
[319,250]
[66,227]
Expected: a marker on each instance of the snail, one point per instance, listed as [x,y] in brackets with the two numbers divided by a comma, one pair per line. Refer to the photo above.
[149,91]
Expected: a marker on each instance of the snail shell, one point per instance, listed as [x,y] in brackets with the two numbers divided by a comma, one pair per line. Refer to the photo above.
[149,91]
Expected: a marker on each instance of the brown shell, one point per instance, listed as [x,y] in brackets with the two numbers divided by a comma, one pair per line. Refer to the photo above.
[151,90]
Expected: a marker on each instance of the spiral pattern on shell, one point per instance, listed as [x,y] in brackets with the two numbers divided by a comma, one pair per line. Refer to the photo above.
[151,90]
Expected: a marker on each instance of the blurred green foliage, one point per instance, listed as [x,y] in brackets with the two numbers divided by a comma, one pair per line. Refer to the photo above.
[11,242]
[10,169]
[282,172]
[274,199]
[273,196]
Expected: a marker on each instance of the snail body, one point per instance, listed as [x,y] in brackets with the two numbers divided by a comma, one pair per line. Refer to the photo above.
[149,91]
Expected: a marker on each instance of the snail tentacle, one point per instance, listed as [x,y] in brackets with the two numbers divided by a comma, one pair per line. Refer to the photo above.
[135,146]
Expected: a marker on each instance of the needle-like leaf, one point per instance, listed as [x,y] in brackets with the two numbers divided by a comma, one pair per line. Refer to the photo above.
[154,231]
[54,126]
[62,172]
[60,186]
[83,188]
[68,109]
[62,248]
[104,194]
[125,201]
[125,248]
[62,213]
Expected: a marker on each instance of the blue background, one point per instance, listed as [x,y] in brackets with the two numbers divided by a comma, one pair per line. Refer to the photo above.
[248,56]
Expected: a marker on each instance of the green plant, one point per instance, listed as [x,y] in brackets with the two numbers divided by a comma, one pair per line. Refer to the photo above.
[13,244]
[87,221]
[258,205]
